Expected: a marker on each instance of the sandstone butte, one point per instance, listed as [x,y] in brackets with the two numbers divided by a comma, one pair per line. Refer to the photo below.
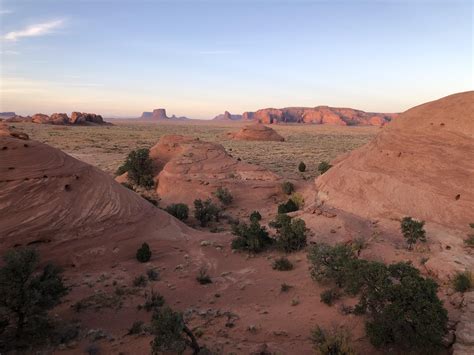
[77,118]
[256,132]
[420,165]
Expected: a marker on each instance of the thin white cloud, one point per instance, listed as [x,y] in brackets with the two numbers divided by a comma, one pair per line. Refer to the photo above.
[39,29]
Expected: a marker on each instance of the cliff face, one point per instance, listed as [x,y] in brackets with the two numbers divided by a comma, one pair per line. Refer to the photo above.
[160,114]
[227,116]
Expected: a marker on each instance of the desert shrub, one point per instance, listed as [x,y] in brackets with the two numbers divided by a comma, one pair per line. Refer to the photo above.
[298,199]
[463,281]
[285,287]
[143,254]
[282,264]
[136,328]
[287,187]
[26,295]
[250,237]
[153,275]
[223,194]
[302,167]
[331,343]
[255,216]
[329,296]
[203,277]
[412,231]
[323,167]
[139,167]
[140,281]
[153,300]
[289,206]
[469,241]
[280,220]
[291,234]
[205,212]
[171,333]
[178,210]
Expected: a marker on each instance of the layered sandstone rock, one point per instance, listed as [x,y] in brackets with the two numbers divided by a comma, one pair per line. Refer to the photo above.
[256,132]
[82,118]
[227,116]
[187,168]
[77,118]
[420,165]
[75,213]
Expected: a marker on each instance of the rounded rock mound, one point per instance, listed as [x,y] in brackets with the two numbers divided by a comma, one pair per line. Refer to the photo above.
[73,211]
[420,165]
[257,132]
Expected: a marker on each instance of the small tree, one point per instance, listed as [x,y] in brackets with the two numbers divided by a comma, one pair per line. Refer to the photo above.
[223,194]
[302,167]
[323,167]
[291,234]
[255,216]
[144,253]
[282,264]
[289,206]
[463,281]
[287,187]
[171,333]
[178,210]
[253,237]
[205,212]
[413,231]
[139,167]
[26,294]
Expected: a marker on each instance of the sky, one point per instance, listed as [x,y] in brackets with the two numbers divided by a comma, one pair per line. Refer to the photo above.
[199,58]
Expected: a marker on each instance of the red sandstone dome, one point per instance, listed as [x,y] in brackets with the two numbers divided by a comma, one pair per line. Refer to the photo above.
[420,165]
[256,132]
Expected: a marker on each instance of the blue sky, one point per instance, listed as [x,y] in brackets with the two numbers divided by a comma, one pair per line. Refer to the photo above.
[199,58]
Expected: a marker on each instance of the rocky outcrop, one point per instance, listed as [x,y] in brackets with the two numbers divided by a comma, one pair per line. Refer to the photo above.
[247,116]
[227,116]
[159,114]
[6,131]
[464,344]
[256,132]
[420,165]
[146,114]
[72,211]
[187,168]
[322,115]
[77,118]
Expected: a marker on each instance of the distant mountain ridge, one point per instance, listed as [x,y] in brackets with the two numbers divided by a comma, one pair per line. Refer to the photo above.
[160,114]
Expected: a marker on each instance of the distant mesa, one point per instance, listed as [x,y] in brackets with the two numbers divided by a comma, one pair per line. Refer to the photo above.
[227,116]
[314,115]
[160,114]
[77,118]
[256,132]
[420,165]
[6,115]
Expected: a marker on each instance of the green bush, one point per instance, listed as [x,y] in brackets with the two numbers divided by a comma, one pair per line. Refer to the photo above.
[323,167]
[143,253]
[291,234]
[223,194]
[255,216]
[140,281]
[412,231]
[250,237]
[331,343]
[302,167]
[285,287]
[153,301]
[469,241]
[282,264]
[329,296]
[287,187]
[463,281]
[153,275]
[171,333]
[139,167]
[298,199]
[136,328]
[26,295]
[205,212]
[203,277]
[289,206]
[178,210]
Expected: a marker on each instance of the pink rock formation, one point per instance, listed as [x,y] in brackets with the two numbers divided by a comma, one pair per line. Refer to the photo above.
[256,132]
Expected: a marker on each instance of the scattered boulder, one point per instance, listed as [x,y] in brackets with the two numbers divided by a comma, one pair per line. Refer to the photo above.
[82,118]
[40,118]
[59,118]
[257,132]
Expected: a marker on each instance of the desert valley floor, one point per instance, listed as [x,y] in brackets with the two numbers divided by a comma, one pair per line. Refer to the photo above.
[79,217]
